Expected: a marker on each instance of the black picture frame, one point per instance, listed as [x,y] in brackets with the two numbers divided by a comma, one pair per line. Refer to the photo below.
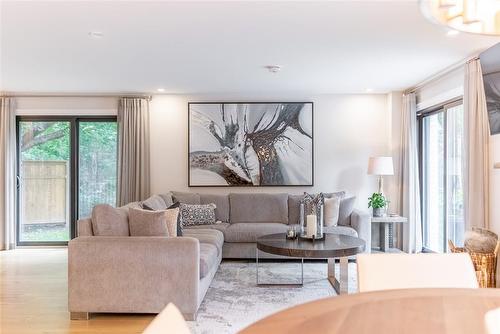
[191,185]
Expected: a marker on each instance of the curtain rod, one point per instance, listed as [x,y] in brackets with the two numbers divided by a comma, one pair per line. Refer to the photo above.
[441,74]
[148,97]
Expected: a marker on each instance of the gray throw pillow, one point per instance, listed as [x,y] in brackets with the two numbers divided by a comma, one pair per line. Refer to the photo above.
[167,198]
[153,223]
[345,210]
[154,202]
[193,214]
[109,221]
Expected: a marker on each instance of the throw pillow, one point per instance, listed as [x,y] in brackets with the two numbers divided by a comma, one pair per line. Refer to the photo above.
[179,218]
[153,223]
[202,214]
[167,198]
[331,211]
[345,209]
[154,202]
[109,221]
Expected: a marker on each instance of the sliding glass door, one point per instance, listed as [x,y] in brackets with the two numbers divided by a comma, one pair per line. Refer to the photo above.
[97,165]
[442,146]
[66,165]
[44,181]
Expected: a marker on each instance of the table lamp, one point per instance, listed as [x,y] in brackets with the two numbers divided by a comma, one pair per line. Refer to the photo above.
[380,166]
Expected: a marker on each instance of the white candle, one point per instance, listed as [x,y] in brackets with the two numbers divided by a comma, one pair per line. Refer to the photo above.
[311,225]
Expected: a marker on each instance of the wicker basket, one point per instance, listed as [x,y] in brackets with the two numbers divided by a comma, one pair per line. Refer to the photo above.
[485,264]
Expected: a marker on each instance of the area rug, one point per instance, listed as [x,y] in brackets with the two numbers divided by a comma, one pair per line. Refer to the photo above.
[234,301]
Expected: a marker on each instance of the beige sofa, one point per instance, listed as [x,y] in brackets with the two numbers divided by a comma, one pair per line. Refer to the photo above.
[123,274]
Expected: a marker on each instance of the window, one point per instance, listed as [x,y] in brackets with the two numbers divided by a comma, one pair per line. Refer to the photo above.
[442,160]
[66,165]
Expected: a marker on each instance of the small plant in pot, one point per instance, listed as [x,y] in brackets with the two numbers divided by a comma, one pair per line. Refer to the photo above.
[378,203]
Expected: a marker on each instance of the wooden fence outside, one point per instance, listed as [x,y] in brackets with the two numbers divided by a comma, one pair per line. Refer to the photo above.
[44,192]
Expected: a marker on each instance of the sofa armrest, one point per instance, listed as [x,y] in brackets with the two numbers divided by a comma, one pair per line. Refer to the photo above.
[84,227]
[133,274]
[362,223]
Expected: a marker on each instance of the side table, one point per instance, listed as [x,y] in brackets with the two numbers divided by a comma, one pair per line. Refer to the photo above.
[387,230]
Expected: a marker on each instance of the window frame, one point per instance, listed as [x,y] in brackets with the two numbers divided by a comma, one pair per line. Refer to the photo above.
[74,122]
[421,115]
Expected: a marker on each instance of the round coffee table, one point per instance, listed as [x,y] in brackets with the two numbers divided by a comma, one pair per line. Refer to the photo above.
[332,247]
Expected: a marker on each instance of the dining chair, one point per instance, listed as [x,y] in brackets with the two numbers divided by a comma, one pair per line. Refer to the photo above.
[170,320]
[406,271]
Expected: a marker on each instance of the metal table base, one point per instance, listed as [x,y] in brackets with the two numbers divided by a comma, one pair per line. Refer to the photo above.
[339,283]
[280,284]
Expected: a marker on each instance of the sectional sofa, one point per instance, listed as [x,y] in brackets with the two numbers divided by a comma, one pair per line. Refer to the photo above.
[123,274]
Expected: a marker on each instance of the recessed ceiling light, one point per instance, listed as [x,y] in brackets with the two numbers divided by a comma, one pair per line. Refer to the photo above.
[273,68]
[452,33]
[96,34]
[369,90]
[160,90]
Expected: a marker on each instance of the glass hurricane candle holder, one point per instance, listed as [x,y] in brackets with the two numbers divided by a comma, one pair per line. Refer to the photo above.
[311,216]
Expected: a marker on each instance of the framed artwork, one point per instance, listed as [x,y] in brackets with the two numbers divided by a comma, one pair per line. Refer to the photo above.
[250,144]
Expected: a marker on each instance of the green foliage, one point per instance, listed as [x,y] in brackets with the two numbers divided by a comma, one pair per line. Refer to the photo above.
[377,201]
[98,165]
[37,143]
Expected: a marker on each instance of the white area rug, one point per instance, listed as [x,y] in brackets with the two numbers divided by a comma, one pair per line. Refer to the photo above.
[234,301]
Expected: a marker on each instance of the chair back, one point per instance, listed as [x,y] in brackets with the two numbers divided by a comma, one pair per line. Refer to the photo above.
[170,320]
[407,271]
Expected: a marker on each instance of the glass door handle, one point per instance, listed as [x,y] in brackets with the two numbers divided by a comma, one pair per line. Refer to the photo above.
[18,181]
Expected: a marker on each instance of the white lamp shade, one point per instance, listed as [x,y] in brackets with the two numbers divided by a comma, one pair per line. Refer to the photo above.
[380,166]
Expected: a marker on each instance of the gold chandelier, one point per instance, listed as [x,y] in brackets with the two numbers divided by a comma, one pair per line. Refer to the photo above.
[474,16]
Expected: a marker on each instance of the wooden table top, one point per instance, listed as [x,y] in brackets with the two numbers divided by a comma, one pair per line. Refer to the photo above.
[407,311]
[333,245]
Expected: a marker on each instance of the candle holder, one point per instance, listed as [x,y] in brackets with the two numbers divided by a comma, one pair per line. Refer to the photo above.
[311,217]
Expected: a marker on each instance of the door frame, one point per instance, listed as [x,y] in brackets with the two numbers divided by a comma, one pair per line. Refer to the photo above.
[74,122]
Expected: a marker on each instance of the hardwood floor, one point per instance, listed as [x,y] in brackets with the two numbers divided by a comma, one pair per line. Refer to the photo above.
[34,297]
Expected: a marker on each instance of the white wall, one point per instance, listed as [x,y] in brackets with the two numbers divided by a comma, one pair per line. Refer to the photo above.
[347,130]
[88,106]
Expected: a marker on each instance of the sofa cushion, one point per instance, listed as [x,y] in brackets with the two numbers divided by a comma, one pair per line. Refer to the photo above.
[259,208]
[154,202]
[186,198]
[208,258]
[219,226]
[249,232]
[294,208]
[345,210]
[145,223]
[346,230]
[222,203]
[209,236]
[109,221]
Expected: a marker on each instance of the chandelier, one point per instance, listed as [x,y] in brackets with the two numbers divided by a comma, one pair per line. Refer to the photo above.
[474,16]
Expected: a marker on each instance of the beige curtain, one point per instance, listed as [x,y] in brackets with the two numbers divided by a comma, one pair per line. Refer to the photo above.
[409,186]
[476,183]
[133,150]
[7,173]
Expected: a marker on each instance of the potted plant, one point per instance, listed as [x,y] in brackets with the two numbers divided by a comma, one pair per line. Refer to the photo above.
[378,203]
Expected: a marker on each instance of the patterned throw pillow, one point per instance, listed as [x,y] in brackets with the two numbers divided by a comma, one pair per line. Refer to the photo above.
[197,214]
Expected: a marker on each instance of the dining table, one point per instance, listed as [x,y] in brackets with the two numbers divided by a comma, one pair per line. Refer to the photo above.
[409,311]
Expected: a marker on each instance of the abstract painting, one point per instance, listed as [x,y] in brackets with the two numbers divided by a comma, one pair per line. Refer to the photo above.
[251,144]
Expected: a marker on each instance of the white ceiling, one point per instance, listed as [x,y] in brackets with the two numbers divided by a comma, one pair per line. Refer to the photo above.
[214,47]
